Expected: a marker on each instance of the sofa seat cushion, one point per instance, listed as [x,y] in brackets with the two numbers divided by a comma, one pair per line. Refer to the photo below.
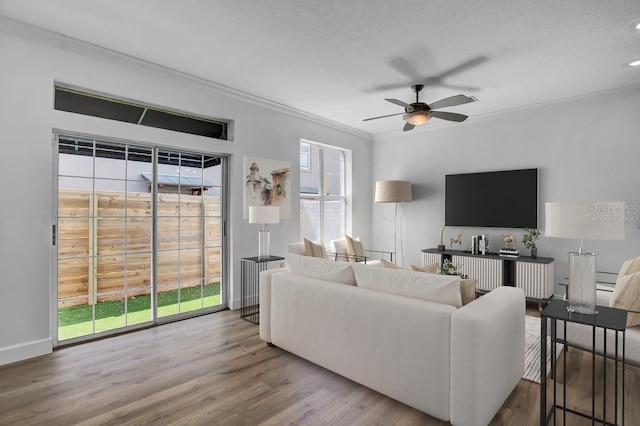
[436,288]
[322,269]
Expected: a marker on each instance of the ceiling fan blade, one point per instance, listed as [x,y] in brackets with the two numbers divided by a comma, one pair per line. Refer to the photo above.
[390,86]
[407,127]
[463,67]
[449,116]
[406,68]
[398,102]
[382,116]
[438,83]
[452,101]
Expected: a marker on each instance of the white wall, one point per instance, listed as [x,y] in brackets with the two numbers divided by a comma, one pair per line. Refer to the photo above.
[585,149]
[31,63]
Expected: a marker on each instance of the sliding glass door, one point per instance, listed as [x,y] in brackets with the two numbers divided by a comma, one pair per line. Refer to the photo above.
[189,224]
[138,238]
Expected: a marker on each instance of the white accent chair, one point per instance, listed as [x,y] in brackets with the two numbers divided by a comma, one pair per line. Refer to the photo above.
[340,252]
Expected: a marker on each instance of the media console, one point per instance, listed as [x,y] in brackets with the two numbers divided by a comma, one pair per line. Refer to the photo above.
[534,275]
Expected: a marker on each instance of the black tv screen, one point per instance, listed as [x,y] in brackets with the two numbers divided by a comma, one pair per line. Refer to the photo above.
[503,199]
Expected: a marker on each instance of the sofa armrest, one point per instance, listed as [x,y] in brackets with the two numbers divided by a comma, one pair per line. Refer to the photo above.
[265,302]
[487,354]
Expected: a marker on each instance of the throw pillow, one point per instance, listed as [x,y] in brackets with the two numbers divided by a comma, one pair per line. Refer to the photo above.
[467,286]
[314,249]
[468,290]
[435,288]
[626,295]
[389,265]
[355,249]
[431,269]
[322,269]
[629,267]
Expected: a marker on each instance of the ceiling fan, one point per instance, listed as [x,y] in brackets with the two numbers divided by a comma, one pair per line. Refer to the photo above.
[418,113]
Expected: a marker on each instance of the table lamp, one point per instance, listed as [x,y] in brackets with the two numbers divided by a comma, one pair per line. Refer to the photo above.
[603,220]
[264,215]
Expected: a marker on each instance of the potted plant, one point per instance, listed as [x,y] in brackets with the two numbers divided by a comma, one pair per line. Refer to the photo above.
[529,239]
[448,268]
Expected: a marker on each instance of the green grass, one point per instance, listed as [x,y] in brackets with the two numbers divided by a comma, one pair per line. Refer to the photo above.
[75,321]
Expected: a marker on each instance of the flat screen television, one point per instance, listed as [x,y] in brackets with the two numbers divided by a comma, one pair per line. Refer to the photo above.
[503,199]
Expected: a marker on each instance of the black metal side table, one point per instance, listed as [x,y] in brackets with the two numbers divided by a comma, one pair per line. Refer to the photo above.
[250,268]
[606,319]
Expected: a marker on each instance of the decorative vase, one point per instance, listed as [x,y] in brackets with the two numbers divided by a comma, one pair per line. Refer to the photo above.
[534,252]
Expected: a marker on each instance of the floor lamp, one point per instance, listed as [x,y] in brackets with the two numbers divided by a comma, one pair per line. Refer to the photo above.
[585,221]
[393,191]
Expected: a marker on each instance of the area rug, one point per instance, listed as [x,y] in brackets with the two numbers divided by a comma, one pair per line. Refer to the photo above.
[532,350]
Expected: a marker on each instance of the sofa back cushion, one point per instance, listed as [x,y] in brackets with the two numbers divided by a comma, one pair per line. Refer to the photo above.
[436,288]
[322,269]
[296,248]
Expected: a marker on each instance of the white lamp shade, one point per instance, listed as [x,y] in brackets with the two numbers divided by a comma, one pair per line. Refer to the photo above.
[393,191]
[589,220]
[264,214]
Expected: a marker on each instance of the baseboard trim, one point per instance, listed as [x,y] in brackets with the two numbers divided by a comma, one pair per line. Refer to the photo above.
[11,354]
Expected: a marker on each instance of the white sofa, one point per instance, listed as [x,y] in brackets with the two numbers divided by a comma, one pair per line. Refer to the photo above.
[456,364]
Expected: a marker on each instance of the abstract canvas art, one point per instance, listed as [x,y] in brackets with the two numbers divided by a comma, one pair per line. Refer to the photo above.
[267,183]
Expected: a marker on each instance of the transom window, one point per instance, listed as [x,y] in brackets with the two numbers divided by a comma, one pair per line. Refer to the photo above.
[112,108]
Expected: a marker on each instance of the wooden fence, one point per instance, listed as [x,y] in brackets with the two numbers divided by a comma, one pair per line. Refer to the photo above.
[105,244]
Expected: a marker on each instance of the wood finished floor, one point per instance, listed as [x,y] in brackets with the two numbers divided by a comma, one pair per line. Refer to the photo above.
[215,370]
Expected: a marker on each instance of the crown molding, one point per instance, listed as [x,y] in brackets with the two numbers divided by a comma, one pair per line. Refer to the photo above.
[57,40]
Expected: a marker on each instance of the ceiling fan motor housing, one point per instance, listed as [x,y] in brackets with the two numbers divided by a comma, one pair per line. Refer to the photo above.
[417,106]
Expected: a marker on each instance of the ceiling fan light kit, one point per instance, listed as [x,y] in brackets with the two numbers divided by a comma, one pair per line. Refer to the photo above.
[418,113]
[417,118]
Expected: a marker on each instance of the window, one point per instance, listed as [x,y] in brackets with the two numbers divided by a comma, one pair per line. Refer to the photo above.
[305,156]
[86,103]
[323,201]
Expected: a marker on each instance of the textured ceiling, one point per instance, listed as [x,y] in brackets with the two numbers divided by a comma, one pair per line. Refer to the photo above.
[340,59]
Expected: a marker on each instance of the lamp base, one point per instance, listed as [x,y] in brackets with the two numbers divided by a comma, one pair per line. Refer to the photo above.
[263,243]
[582,283]
[440,247]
